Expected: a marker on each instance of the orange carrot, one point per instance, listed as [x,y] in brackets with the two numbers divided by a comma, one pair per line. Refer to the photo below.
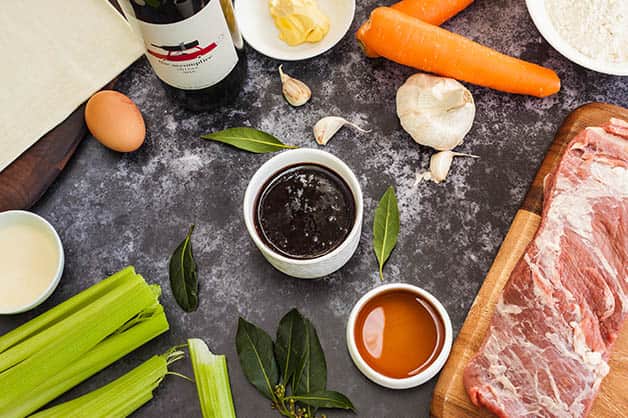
[410,41]
[435,12]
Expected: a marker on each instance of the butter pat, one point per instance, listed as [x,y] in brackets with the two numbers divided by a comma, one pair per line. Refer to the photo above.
[299,21]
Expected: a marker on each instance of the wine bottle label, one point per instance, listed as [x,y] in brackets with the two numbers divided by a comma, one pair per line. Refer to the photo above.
[191,54]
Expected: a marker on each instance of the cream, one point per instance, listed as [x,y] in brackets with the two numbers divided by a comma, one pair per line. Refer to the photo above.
[29,259]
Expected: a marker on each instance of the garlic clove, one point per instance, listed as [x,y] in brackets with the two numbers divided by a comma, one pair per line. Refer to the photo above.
[440,163]
[327,127]
[436,111]
[296,92]
[425,175]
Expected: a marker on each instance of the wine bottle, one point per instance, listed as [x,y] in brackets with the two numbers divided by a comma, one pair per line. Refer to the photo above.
[194,47]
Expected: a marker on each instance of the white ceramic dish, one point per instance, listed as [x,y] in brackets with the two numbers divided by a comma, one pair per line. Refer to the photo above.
[316,267]
[408,382]
[259,30]
[541,19]
[14,217]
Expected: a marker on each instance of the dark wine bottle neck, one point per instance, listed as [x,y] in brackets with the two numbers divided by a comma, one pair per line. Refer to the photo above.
[166,11]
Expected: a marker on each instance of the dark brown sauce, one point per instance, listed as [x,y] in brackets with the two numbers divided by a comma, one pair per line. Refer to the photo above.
[399,333]
[304,211]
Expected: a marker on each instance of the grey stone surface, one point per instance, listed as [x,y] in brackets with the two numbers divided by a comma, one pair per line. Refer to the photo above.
[112,210]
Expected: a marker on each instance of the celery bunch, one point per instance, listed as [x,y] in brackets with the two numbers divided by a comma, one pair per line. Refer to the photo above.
[55,351]
[121,397]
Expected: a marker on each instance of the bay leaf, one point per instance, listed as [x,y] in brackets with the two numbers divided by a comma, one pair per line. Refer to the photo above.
[325,399]
[385,228]
[311,373]
[183,275]
[255,352]
[249,139]
[288,342]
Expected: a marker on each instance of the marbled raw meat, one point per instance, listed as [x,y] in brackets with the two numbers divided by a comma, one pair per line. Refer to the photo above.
[546,350]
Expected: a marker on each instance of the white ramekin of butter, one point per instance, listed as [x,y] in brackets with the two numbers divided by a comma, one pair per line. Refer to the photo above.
[31,261]
[294,30]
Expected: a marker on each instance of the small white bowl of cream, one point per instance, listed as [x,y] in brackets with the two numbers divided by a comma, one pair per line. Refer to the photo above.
[31,261]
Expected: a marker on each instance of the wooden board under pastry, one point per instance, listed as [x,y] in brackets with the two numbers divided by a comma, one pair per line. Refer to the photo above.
[27,178]
[450,399]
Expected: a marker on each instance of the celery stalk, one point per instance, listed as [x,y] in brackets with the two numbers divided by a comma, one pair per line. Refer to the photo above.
[212,381]
[104,354]
[120,397]
[114,396]
[63,310]
[131,296]
[79,333]
[132,406]
[64,346]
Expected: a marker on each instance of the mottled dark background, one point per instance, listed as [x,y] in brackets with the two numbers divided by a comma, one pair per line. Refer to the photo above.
[112,210]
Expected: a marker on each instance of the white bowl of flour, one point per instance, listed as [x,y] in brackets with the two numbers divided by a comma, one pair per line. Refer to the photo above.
[591,33]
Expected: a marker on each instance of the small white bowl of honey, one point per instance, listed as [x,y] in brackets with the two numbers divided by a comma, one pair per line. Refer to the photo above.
[399,335]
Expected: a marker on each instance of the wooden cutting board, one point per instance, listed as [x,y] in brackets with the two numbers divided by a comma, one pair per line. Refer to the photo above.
[27,178]
[450,399]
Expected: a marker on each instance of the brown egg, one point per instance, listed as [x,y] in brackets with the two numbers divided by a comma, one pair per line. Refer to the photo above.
[115,121]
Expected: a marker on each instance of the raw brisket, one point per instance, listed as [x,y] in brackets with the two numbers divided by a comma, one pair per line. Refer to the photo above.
[546,350]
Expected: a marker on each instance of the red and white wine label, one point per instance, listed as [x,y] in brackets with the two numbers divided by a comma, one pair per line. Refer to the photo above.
[191,54]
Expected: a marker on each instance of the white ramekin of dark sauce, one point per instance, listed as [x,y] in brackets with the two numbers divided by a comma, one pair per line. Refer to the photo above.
[302,267]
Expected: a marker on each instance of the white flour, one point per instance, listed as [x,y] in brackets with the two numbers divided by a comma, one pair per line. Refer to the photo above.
[596,28]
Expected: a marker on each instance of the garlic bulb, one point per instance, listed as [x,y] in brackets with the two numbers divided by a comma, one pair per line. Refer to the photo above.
[436,111]
[327,127]
[440,163]
[296,92]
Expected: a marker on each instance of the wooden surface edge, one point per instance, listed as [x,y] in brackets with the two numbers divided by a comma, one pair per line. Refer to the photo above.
[525,225]
[25,180]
